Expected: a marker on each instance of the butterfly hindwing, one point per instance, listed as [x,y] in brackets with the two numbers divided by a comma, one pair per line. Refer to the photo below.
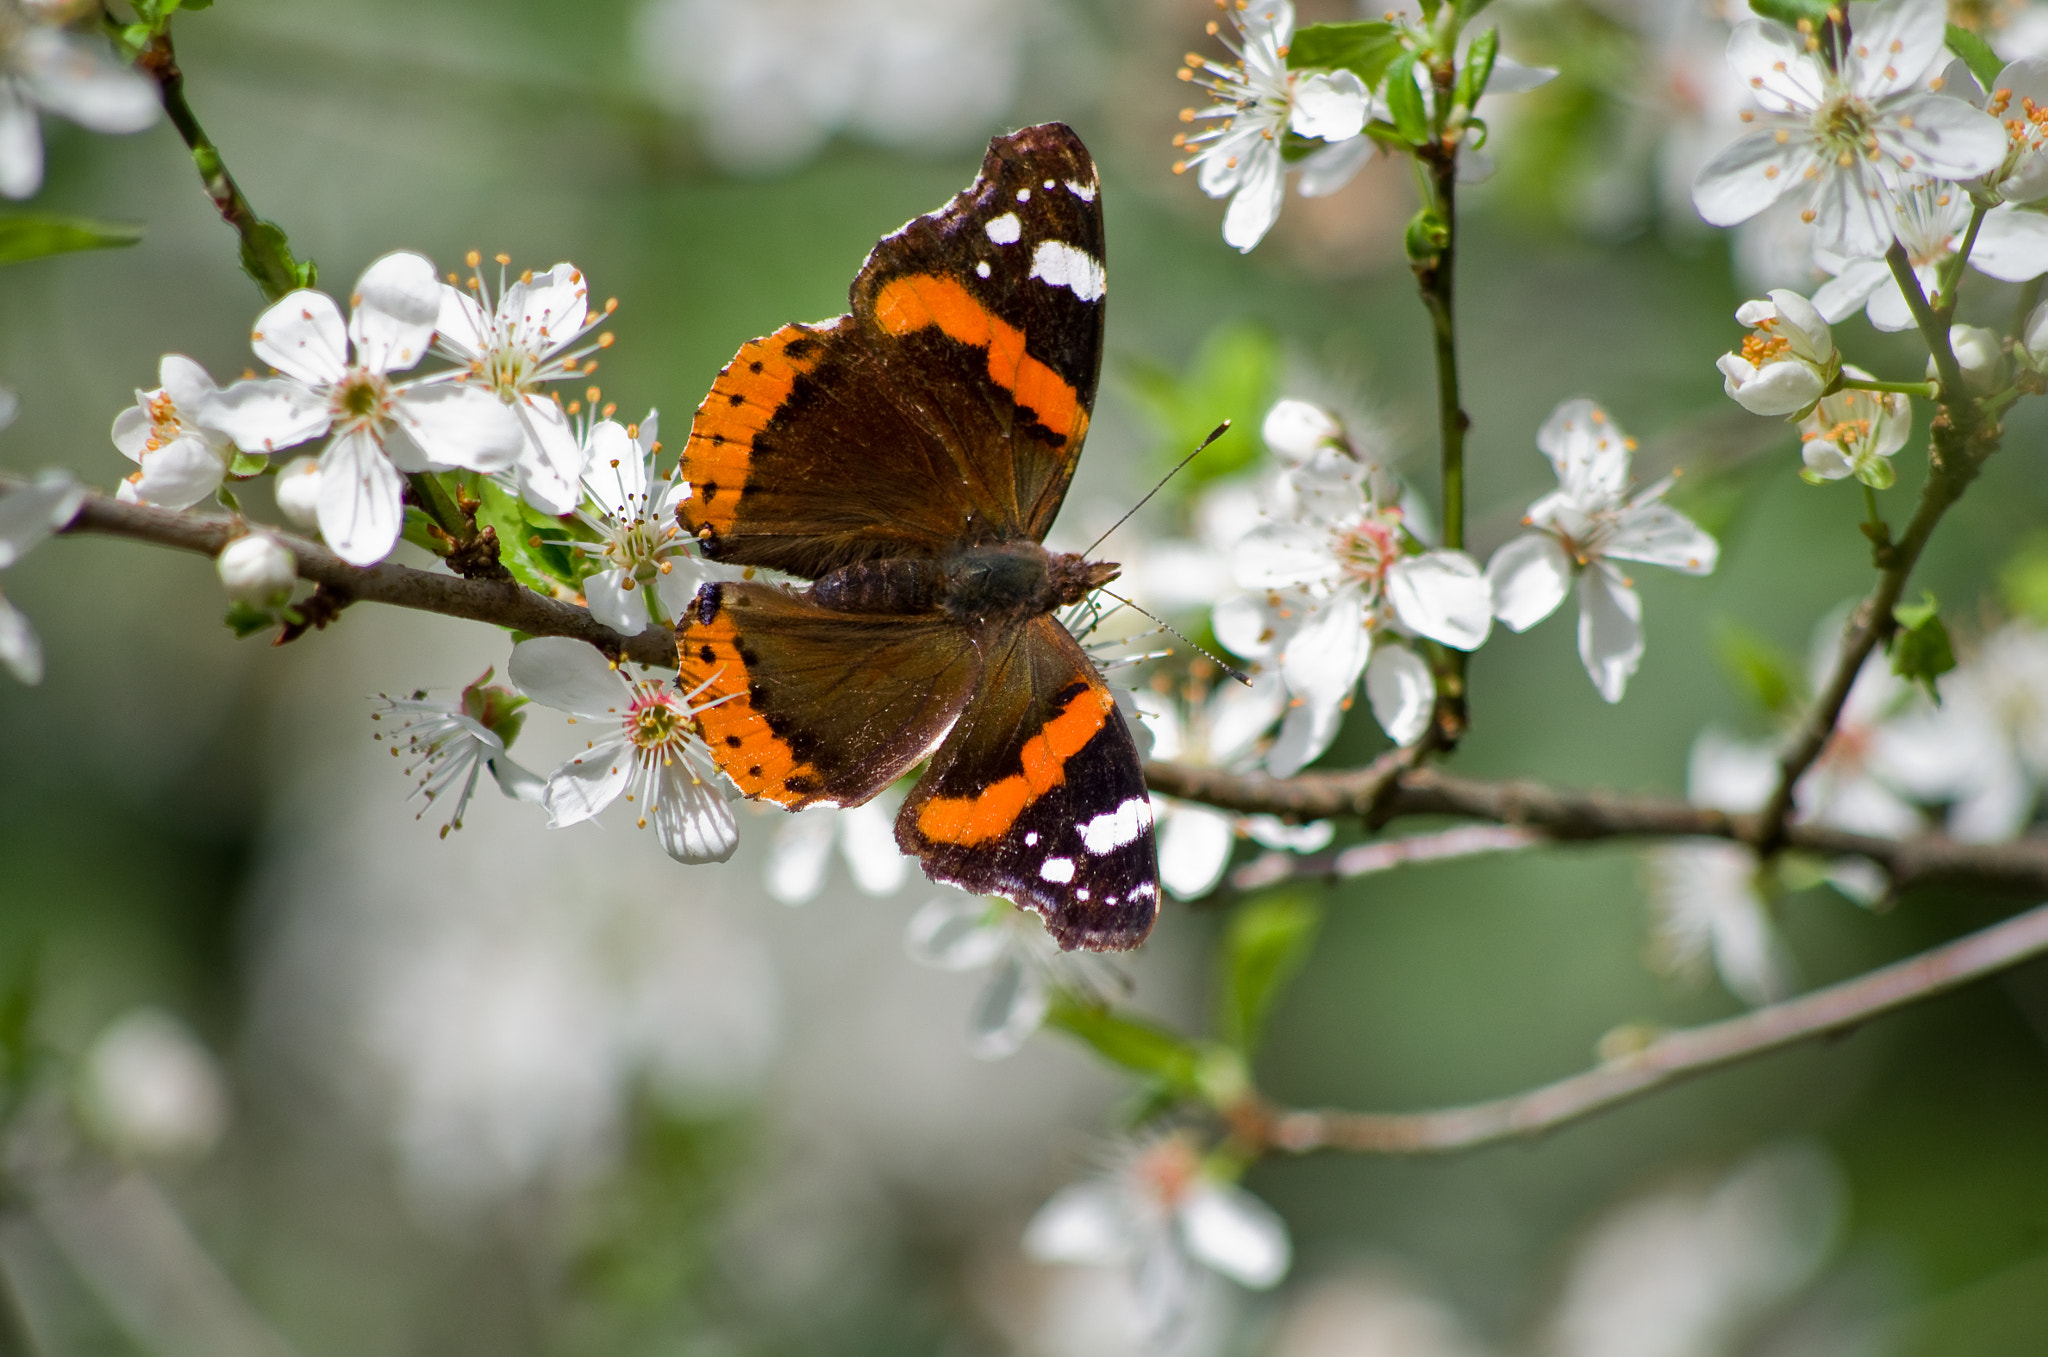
[807,704]
[1037,795]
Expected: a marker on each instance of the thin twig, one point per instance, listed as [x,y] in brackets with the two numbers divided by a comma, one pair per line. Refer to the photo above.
[1436,278]
[1663,1060]
[1382,855]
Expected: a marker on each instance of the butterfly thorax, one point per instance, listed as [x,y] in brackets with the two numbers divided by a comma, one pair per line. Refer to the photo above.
[974,585]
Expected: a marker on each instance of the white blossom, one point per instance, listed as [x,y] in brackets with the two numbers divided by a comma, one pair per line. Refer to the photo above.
[147,1087]
[1339,584]
[530,335]
[1166,1221]
[631,511]
[1707,907]
[257,569]
[865,835]
[1828,135]
[337,380]
[1582,528]
[647,749]
[1980,354]
[29,514]
[1855,433]
[297,488]
[1024,965]
[1788,359]
[449,745]
[1258,102]
[180,457]
[45,66]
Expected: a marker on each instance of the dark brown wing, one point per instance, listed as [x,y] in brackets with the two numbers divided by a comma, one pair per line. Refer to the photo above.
[1037,795]
[948,407]
[819,705]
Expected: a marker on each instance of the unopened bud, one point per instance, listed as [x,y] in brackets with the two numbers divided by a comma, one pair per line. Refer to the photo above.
[257,570]
[298,491]
[1979,354]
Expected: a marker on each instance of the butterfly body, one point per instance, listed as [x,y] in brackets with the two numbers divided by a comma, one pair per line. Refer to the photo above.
[908,459]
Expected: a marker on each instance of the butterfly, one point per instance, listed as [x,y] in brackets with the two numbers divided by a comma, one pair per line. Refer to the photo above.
[908,458]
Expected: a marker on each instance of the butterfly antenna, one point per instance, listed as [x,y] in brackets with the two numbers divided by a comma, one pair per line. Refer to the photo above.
[1214,434]
[1217,660]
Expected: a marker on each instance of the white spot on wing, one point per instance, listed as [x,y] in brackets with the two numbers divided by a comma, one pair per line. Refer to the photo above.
[1085,192]
[981,270]
[1058,870]
[1113,830]
[1004,230]
[1063,265]
[1023,195]
[1031,839]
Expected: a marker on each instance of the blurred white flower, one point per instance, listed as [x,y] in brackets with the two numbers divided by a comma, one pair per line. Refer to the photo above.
[257,569]
[337,378]
[298,491]
[1688,1271]
[510,347]
[1258,102]
[1855,433]
[1371,1311]
[865,836]
[1706,908]
[147,1087]
[1980,353]
[632,512]
[449,745]
[45,66]
[1788,359]
[1582,528]
[1829,135]
[1338,584]
[647,749]
[1930,217]
[180,457]
[1163,1219]
[772,80]
[1984,750]
[28,515]
[1025,965]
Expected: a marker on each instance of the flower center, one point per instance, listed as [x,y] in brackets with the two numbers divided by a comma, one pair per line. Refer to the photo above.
[362,398]
[1365,548]
[1848,435]
[1763,347]
[164,424]
[1166,1171]
[508,368]
[655,721]
[1843,126]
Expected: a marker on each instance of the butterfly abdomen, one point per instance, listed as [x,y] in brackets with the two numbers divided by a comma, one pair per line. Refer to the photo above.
[895,586]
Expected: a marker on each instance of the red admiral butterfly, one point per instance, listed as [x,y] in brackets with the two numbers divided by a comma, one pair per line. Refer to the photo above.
[909,458]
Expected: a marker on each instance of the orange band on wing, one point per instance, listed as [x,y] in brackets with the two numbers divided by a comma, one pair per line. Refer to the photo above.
[748,392]
[972,820]
[918,301]
[761,762]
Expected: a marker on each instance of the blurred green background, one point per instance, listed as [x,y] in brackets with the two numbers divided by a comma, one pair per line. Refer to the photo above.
[509,1093]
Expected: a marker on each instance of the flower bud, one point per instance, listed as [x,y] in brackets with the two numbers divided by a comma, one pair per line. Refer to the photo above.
[1297,430]
[257,570]
[1854,433]
[1979,354]
[1788,359]
[298,491]
[2032,350]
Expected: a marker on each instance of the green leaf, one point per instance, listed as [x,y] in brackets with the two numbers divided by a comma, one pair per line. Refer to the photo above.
[34,236]
[245,620]
[1404,101]
[1233,375]
[1790,12]
[1364,48]
[1427,235]
[1477,70]
[1758,667]
[541,568]
[267,257]
[1130,1043]
[2023,580]
[1976,53]
[1469,9]
[1264,948]
[247,464]
[1921,652]
[418,529]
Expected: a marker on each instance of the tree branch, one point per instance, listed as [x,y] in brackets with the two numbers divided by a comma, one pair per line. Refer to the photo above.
[1664,1060]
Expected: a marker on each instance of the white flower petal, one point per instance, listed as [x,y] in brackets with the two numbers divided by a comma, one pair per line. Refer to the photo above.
[21,654]
[1839,297]
[516,782]
[1442,595]
[551,309]
[1512,77]
[303,336]
[1771,61]
[867,840]
[21,144]
[623,610]
[1236,1234]
[298,491]
[1281,555]
[551,466]
[953,933]
[1724,773]
[1010,1007]
[1941,136]
[1245,625]
[1747,177]
[1529,577]
[570,676]
[1610,630]
[455,425]
[1774,389]
[397,303]
[691,816]
[1657,534]
[361,499]
[1587,450]
[1297,430]
[587,783]
[1305,733]
[182,472]
[1194,848]
[1256,204]
[1327,169]
[264,414]
[1332,106]
[1083,1224]
[462,328]
[1325,657]
[1853,207]
[2012,245]
[1240,715]
[1402,693]
[29,514]
[616,473]
[80,78]
[800,855]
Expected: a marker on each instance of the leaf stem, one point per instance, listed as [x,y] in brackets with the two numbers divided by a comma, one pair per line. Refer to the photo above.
[1950,279]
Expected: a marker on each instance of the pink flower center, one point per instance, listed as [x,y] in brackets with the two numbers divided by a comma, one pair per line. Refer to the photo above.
[656,722]
[1366,547]
[361,400]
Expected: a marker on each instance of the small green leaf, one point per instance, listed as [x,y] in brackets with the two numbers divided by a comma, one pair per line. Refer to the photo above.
[1921,652]
[1233,375]
[267,257]
[1132,1044]
[1267,942]
[1790,12]
[1758,667]
[1468,10]
[1365,49]
[541,568]
[1976,53]
[247,464]
[1477,70]
[416,528]
[2023,581]
[245,620]
[1404,101]
[26,236]
[1427,235]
